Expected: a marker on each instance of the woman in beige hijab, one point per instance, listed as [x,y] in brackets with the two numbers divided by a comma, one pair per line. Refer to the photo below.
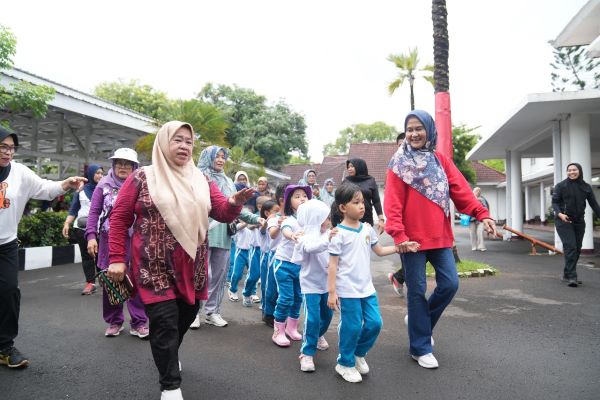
[168,204]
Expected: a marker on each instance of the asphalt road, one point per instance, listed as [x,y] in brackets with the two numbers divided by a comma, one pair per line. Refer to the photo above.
[519,335]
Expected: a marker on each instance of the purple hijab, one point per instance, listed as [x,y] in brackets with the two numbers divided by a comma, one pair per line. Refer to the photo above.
[420,169]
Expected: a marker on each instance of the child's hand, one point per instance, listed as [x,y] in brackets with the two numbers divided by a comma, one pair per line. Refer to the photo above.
[280,220]
[333,301]
[332,233]
[297,235]
[262,222]
[408,246]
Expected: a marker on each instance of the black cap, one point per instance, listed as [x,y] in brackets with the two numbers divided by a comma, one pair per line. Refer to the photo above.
[5,132]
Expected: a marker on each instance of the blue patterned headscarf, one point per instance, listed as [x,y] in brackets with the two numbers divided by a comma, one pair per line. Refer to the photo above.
[206,165]
[421,169]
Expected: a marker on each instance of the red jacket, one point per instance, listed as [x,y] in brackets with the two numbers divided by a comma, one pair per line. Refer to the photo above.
[412,216]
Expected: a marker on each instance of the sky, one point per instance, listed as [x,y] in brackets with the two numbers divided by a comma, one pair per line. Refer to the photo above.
[327,59]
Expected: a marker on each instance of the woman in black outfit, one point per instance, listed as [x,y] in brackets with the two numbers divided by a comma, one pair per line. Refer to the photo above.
[568,202]
[358,173]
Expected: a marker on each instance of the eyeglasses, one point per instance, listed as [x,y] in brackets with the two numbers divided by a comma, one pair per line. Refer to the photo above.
[123,164]
[417,129]
[8,149]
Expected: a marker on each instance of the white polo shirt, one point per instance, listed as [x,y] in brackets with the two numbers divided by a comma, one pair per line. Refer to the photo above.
[353,246]
[286,246]
[243,239]
[273,223]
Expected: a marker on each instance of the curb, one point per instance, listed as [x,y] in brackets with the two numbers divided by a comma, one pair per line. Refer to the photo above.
[48,256]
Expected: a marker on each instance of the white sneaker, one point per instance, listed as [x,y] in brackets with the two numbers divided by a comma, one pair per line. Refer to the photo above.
[171,395]
[196,323]
[232,296]
[361,365]
[216,320]
[322,344]
[255,298]
[247,302]
[306,363]
[426,361]
[406,323]
[350,374]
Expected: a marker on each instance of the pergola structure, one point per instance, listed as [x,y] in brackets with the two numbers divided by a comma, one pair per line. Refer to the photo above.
[79,128]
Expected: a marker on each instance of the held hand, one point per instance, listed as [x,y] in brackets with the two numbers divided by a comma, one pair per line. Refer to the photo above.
[332,233]
[297,235]
[262,222]
[116,271]
[74,182]
[381,226]
[316,192]
[489,226]
[564,218]
[333,301]
[92,247]
[241,197]
[408,246]
[65,230]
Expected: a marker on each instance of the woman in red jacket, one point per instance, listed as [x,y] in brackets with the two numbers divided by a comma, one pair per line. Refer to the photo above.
[420,184]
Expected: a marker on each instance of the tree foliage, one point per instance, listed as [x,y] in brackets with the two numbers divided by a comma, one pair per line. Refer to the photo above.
[573,70]
[271,131]
[21,96]
[408,66]
[360,133]
[137,97]
[240,160]
[463,141]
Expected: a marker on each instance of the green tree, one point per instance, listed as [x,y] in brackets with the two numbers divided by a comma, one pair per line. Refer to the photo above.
[498,164]
[137,97]
[408,65]
[359,133]
[271,131]
[574,70]
[463,140]
[21,96]
[239,160]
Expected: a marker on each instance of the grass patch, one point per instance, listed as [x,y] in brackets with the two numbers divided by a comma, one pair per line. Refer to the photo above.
[465,268]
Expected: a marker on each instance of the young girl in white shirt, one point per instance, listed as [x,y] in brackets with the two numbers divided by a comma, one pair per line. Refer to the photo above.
[311,253]
[287,310]
[350,284]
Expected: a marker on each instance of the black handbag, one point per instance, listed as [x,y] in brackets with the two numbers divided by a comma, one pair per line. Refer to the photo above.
[232,228]
[82,222]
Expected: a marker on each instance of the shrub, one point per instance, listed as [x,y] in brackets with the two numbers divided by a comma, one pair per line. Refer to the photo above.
[42,229]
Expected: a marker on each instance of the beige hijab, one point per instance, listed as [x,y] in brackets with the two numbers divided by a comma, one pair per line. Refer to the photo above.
[181,194]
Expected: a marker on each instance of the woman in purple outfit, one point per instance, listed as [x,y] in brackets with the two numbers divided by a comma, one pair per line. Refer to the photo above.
[124,162]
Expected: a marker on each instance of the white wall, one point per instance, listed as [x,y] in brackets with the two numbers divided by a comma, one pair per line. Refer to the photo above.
[496,197]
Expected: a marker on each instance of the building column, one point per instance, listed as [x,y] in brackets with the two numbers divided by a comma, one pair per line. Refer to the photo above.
[516,204]
[508,213]
[557,155]
[542,202]
[527,203]
[580,146]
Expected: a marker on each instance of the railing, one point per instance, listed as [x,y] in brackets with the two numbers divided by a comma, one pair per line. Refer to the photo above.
[534,241]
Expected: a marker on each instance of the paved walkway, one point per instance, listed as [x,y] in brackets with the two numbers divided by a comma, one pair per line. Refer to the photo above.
[519,335]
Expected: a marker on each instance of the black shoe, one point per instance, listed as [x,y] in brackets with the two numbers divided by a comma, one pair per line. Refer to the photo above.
[269,320]
[13,358]
[572,283]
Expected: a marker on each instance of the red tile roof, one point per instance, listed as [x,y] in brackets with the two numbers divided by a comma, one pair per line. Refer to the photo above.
[377,157]
[487,174]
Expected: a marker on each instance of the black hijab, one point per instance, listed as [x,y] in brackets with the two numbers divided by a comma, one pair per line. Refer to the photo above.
[362,171]
[4,133]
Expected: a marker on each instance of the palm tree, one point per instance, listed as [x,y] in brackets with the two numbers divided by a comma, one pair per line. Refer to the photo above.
[208,121]
[441,77]
[408,64]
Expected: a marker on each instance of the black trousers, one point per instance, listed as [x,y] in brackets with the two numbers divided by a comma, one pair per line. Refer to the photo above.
[10,295]
[89,265]
[169,321]
[571,235]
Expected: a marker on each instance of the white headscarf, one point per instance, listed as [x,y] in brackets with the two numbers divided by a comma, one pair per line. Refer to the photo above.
[181,194]
[310,216]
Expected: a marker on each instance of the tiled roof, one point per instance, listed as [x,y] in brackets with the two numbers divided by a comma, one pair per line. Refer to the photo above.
[487,174]
[331,167]
[376,155]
